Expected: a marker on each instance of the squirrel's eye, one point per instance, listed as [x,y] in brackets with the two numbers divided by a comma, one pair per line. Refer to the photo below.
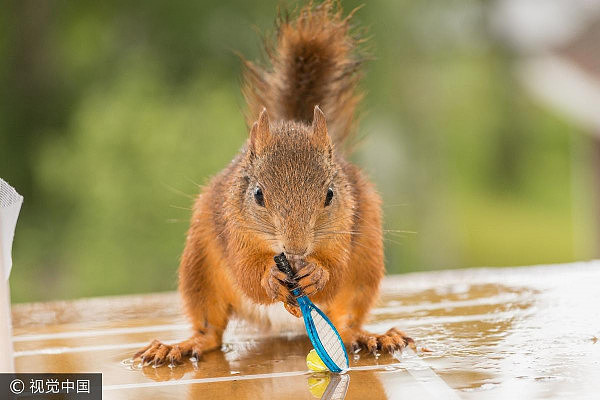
[258,196]
[328,197]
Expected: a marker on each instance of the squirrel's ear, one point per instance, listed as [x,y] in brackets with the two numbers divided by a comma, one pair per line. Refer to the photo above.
[319,127]
[260,133]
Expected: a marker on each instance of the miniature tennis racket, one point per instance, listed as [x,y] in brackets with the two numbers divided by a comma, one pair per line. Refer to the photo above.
[321,332]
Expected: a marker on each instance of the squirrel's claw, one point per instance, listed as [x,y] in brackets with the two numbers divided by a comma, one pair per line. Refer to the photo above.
[311,277]
[278,286]
[389,342]
[293,309]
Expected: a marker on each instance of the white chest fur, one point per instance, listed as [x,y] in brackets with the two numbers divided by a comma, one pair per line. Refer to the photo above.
[273,317]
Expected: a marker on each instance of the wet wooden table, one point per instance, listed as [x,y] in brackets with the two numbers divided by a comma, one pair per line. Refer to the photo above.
[493,333]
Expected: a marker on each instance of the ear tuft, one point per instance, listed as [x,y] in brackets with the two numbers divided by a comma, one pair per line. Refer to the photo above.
[319,127]
[260,133]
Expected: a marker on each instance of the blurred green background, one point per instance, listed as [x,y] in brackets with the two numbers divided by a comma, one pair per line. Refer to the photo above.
[114,112]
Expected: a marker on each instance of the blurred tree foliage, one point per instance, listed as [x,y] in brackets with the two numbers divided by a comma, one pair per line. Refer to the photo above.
[114,112]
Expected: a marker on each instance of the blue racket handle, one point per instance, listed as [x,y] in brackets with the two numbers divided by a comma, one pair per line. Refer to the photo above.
[284,266]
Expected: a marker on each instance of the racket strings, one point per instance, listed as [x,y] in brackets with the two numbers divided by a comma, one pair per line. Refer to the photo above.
[330,340]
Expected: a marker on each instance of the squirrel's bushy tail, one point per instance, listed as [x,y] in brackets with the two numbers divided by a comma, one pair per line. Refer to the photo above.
[314,60]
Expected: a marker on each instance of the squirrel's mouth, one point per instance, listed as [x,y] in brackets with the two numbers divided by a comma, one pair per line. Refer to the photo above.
[295,252]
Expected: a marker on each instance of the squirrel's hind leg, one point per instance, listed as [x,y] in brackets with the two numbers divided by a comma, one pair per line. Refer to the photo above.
[349,313]
[160,353]
[207,297]
[350,308]
[349,317]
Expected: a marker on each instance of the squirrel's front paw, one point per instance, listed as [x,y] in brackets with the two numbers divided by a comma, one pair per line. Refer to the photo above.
[279,287]
[310,276]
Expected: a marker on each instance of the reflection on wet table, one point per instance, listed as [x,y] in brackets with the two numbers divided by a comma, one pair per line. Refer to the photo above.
[491,333]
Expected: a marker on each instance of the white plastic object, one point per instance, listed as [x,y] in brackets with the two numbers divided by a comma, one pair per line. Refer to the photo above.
[10,206]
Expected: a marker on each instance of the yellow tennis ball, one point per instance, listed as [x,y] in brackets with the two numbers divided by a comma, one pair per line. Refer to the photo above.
[314,362]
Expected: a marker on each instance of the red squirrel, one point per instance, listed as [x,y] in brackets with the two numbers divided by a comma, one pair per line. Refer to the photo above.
[290,189]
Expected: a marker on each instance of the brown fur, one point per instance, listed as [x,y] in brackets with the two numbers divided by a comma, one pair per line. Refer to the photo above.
[315,60]
[293,158]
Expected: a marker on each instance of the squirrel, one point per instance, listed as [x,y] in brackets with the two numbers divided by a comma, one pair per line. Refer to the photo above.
[290,189]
